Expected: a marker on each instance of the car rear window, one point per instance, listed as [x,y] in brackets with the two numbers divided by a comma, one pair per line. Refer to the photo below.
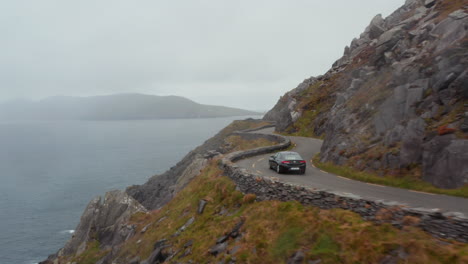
[292,157]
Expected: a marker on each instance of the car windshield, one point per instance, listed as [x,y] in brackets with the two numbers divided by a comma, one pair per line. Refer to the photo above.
[292,156]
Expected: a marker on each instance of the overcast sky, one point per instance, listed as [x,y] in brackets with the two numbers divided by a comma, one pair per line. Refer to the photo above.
[236,53]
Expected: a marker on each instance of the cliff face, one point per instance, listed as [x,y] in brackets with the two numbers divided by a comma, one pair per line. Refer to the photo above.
[397,101]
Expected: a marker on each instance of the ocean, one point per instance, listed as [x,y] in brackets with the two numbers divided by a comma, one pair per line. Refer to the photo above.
[49,171]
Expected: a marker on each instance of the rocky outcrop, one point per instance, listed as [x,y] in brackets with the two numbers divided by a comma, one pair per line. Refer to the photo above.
[104,220]
[395,87]
[284,112]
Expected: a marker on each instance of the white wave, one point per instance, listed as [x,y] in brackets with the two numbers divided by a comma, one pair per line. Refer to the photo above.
[71,231]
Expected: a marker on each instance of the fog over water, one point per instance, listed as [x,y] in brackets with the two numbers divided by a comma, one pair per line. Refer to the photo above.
[234,53]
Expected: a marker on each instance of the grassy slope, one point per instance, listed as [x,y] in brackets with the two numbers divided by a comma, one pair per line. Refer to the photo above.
[274,230]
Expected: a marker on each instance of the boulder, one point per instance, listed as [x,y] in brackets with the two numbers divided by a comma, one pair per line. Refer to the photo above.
[376,27]
[445,161]
[459,14]
[389,38]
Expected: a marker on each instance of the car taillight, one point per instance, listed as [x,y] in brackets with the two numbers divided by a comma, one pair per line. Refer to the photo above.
[302,161]
[285,162]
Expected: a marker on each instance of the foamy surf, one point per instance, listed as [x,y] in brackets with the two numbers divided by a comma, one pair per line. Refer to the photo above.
[71,231]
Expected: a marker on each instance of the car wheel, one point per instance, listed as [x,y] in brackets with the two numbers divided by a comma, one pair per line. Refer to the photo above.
[303,171]
[278,169]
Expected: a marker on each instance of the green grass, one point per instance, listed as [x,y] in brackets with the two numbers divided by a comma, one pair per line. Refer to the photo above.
[405,182]
[287,242]
[326,248]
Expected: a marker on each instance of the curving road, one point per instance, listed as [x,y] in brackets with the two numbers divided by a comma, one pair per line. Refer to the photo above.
[319,179]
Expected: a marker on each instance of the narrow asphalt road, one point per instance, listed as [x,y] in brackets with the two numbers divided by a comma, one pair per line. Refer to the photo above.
[315,178]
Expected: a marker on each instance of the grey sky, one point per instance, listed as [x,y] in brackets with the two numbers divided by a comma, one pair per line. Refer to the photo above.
[235,53]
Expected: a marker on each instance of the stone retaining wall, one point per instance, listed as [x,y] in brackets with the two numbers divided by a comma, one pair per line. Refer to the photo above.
[447,225]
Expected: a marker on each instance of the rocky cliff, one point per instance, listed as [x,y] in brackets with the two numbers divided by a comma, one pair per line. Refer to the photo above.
[396,103]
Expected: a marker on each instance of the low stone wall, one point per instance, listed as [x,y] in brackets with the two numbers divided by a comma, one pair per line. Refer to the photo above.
[447,225]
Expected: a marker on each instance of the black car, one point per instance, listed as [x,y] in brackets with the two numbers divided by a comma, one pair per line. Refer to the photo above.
[286,161]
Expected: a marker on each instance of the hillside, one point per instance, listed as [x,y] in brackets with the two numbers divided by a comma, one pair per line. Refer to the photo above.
[396,103]
[115,107]
[210,221]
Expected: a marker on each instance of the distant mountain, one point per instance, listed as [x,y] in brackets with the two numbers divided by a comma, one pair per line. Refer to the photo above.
[115,107]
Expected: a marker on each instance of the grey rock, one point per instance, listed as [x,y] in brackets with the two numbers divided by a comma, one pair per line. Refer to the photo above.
[235,230]
[355,84]
[235,249]
[159,244]
[376,27]
[222,239]
[448,32]
[464,125]
[187,224]
[445,97]
[392,111]
[282,112]
[459,14]
[445,82]
[390,38]
[144,229]
[394,135]
[317,261]
[218,248]
[104,219]
[297,258]
[444,162]
[135,260]
[411,149]
[414,95]
[460,85]
[429,3]
[157,257]
[201,206]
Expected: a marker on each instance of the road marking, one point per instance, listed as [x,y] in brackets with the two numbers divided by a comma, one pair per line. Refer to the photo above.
[344,178]
[260,159]
[375,184]
[323,171]
[259,172]
[422,192]
[253,165]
